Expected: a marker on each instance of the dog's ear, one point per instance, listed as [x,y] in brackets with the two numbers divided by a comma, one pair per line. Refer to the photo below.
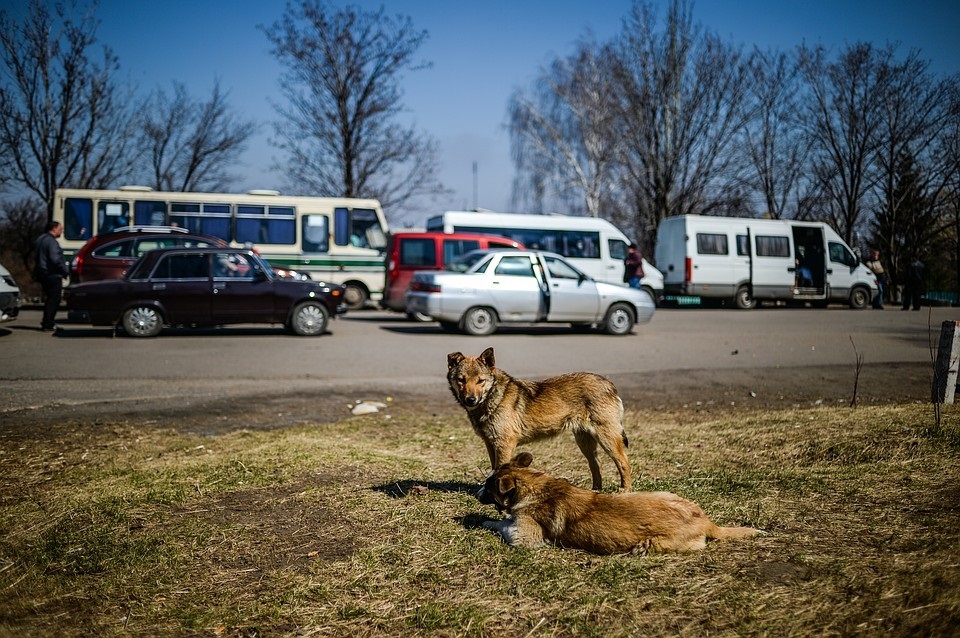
[524,459]
[454,358]
[487,358]
[505,485]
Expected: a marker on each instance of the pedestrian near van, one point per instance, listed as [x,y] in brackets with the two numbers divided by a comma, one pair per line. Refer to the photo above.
[49,271]
[913,289]
[877,267]
[633,267]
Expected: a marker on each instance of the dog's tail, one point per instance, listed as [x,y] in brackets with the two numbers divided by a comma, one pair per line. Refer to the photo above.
[723,533]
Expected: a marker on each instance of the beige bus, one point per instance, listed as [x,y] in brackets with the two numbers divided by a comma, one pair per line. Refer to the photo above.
[330,239]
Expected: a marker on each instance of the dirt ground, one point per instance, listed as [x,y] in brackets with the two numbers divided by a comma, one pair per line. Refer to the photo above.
[694,390]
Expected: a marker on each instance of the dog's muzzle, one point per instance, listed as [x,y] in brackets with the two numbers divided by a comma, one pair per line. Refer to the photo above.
[471,401]
[486,498]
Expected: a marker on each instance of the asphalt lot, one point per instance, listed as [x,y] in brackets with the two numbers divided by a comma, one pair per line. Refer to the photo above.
[685,356]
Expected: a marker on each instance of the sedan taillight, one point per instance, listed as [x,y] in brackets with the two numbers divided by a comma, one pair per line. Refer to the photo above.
[422,286]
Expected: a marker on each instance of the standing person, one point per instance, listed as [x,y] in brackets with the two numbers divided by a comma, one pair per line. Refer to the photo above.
[913,290]
[49,272]
[877,267]
[633,266]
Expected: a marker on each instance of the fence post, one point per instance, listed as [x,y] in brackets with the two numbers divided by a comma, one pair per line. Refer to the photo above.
[945,369]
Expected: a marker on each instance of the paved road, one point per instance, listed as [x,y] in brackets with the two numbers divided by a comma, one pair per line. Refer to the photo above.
[716,355]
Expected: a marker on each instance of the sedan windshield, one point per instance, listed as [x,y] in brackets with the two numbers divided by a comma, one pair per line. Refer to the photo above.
[466,261]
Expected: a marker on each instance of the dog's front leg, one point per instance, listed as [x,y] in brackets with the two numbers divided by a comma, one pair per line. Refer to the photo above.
[492,453]
[502,453]
[521,531]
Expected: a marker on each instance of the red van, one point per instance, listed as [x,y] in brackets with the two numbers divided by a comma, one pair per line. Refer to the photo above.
[408,252]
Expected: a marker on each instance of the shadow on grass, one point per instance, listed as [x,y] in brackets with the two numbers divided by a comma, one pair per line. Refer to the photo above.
[400,489]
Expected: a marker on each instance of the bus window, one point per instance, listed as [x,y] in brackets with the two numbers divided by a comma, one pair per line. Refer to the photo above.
[205,219]
[315,234]
[111,216]
[266,225]
[77,218]
[146,213]
[358,227]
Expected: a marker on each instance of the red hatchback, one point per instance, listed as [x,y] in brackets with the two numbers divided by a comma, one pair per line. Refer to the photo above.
[408,252]
[109,255]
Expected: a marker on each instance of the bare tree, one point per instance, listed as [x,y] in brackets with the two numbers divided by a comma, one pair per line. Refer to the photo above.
[565,133]
[915,169]
[341,125]
[683,95]
[21,224]
[191,143]
[843,120]
[773,139]
[63,118]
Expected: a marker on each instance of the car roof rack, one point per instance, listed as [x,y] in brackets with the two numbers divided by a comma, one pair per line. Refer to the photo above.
[150,229]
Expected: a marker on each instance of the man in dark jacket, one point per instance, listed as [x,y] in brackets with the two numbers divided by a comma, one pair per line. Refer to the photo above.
[913,289]
[49,272]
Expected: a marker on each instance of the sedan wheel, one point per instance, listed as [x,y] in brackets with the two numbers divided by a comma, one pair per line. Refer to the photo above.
[619,320]
[142,321]
[309,319]
[479,322]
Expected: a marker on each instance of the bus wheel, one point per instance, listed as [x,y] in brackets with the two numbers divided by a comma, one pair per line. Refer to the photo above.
[859,298]
[619,320]
[479,322]
[142,321]
[309,319]
[356,295]
[744,299]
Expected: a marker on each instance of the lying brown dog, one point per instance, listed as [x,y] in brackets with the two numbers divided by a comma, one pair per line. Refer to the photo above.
[546,509]
[506,412]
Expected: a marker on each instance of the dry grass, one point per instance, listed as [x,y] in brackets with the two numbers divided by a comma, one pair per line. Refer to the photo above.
[368,527]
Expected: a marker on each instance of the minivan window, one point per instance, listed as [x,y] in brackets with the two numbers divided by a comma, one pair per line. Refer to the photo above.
[711,244]
[453,248]
[773,246]
[417,252]
[841,255]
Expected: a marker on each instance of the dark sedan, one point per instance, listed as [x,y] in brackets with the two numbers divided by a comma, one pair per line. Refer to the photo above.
[204,287]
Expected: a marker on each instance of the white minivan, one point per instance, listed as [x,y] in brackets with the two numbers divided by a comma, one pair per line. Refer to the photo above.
[750,260]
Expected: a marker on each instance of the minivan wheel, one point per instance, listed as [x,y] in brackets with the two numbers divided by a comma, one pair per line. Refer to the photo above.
[859,298]
[619,320]
[744,299]
[479,322]
[142,321]
[309,319]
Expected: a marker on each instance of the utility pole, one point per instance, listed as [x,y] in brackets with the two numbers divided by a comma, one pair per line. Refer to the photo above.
[475,204]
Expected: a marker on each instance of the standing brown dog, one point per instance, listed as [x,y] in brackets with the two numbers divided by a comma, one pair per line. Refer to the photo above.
[546,509]
[506,412]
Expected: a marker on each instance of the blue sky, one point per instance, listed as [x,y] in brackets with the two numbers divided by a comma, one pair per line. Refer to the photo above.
[481,52]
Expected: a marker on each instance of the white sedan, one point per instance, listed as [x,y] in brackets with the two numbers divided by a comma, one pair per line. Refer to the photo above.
[523,286]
